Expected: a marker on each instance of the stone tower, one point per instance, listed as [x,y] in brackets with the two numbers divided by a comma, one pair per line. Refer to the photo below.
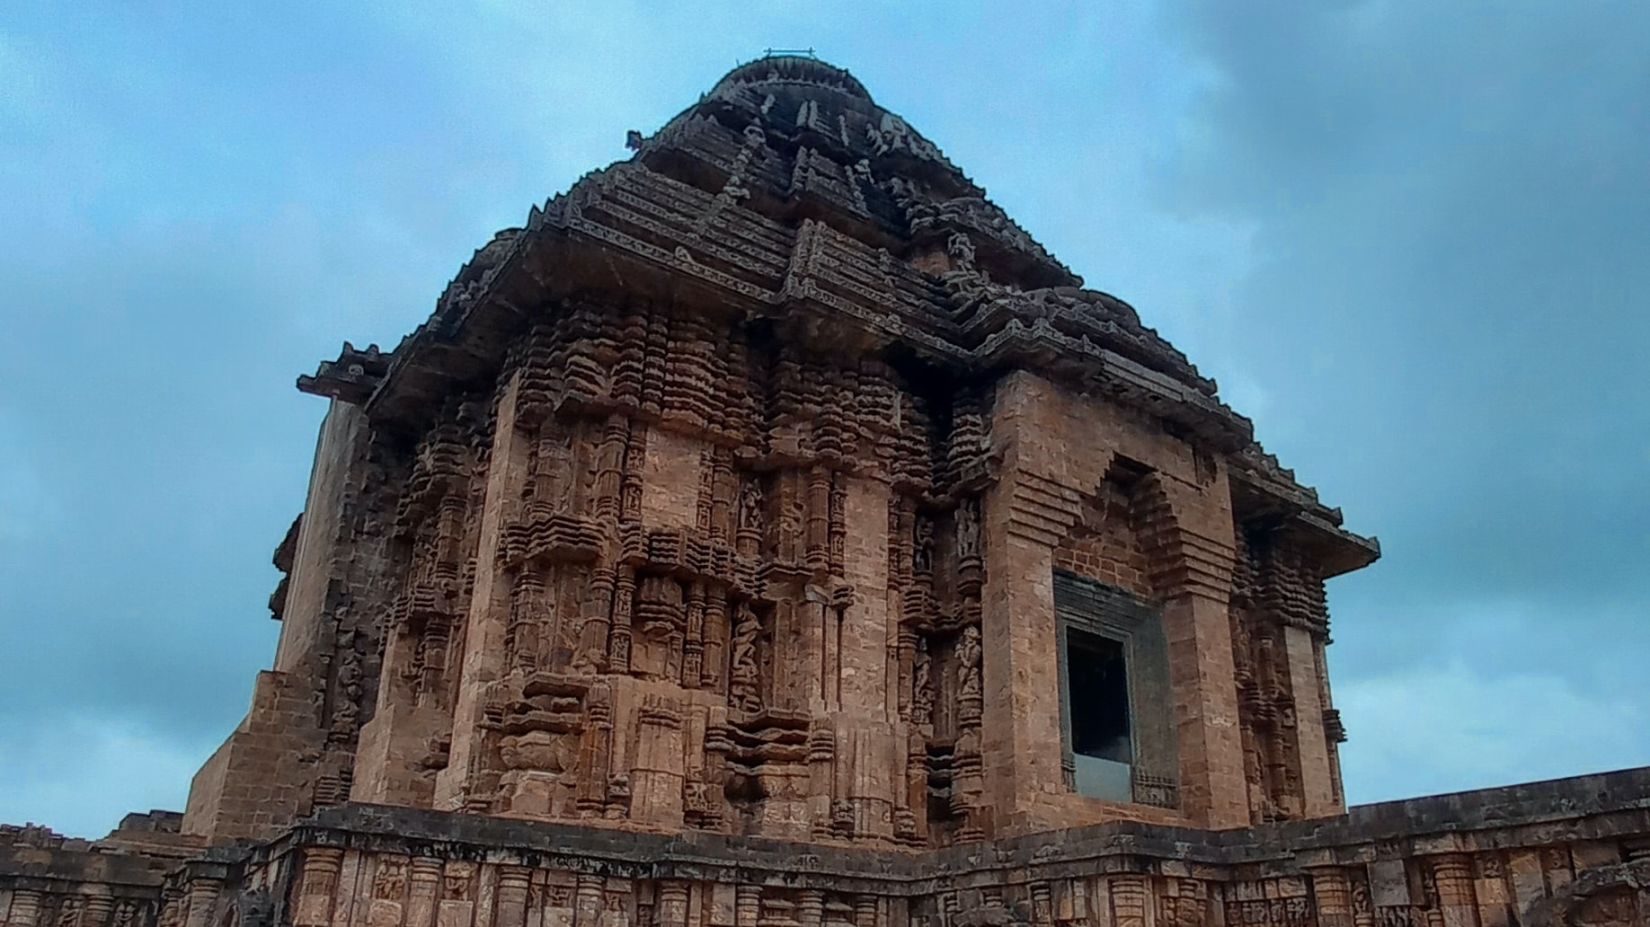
[770,533]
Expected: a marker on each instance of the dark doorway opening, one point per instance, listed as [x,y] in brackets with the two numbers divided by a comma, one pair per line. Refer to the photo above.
[1099,681]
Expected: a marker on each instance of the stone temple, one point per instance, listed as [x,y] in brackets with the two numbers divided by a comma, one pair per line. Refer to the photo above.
[770,533]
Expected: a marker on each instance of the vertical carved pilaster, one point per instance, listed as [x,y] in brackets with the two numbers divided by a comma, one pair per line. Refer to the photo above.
[511,896]
[1334,898]
[819,519]
[315,892]
[672,904]
[1452,877]
[811,910]
[25,908]
[610,460]
[747,908]
[587,900]
[98,905]
[693,644]
[630,491]
[423,884]
[1128,901]
[624,598]
[203,897]
[526,618]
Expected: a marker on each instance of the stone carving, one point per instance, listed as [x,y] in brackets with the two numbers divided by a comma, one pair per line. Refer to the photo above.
[744,681]
[922,694]
[968,531]
[968,665]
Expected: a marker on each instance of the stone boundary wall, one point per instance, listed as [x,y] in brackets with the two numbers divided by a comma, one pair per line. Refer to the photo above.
[1570,851]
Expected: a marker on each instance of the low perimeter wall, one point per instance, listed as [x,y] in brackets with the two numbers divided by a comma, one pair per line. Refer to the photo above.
[1568,851]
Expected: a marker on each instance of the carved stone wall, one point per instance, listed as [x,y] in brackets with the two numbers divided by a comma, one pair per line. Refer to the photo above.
[1568,852]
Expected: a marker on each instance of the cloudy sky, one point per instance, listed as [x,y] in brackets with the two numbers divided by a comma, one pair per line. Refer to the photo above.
[1412,241]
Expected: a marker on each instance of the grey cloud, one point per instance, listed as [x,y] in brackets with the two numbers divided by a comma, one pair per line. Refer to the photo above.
[1447,311]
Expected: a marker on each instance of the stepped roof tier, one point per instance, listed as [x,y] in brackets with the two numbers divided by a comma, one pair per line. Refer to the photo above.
[787,194]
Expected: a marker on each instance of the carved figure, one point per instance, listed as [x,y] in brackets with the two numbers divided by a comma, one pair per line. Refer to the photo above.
[750,506]
[968,530]
[968,664]
[744,675]
[961,250]
[922,557]
[922,687]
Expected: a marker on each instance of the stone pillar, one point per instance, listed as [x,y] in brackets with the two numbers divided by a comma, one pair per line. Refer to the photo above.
[1188,537]
[423,882]
[25,909]
[98,906]
[811,910]
[203,895]
[587,900]
[747,905]
[1020,737]
[863,658]
[865,911]
[1453,876]
[1333,892]
[672,909]
[457,907]
[1317,781]
[512,896]
[1490,889]
[1129,901]
[315,891]
[657,775]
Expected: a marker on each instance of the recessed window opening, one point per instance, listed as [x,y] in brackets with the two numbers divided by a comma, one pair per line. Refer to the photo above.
[1098,674]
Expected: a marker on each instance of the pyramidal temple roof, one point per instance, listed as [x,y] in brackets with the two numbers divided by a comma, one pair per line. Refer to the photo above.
[787,193]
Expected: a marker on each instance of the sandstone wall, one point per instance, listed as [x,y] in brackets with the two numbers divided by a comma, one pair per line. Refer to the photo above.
[1563,852]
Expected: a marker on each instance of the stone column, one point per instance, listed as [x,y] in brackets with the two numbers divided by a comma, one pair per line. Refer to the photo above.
[25,909]
[811,910]
[863,658]
[423,881]
[99,905]
[1334,897]
[1317,782]
[1020,736]
[747,905]
[672,910]
[1453,876]
[1187,533]
[319,882]
[865,911]
[1129,901]
[587,900]
[203,895]
[512,896]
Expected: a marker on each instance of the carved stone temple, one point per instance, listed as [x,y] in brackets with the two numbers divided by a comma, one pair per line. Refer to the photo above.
[770,533]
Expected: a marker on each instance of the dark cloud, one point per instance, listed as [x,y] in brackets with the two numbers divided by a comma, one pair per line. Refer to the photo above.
[1446,312]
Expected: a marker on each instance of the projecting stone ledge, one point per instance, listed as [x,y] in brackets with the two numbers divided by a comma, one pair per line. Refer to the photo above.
[1592,813]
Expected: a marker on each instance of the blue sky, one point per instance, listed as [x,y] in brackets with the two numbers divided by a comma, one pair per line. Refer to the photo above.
[1409,240]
